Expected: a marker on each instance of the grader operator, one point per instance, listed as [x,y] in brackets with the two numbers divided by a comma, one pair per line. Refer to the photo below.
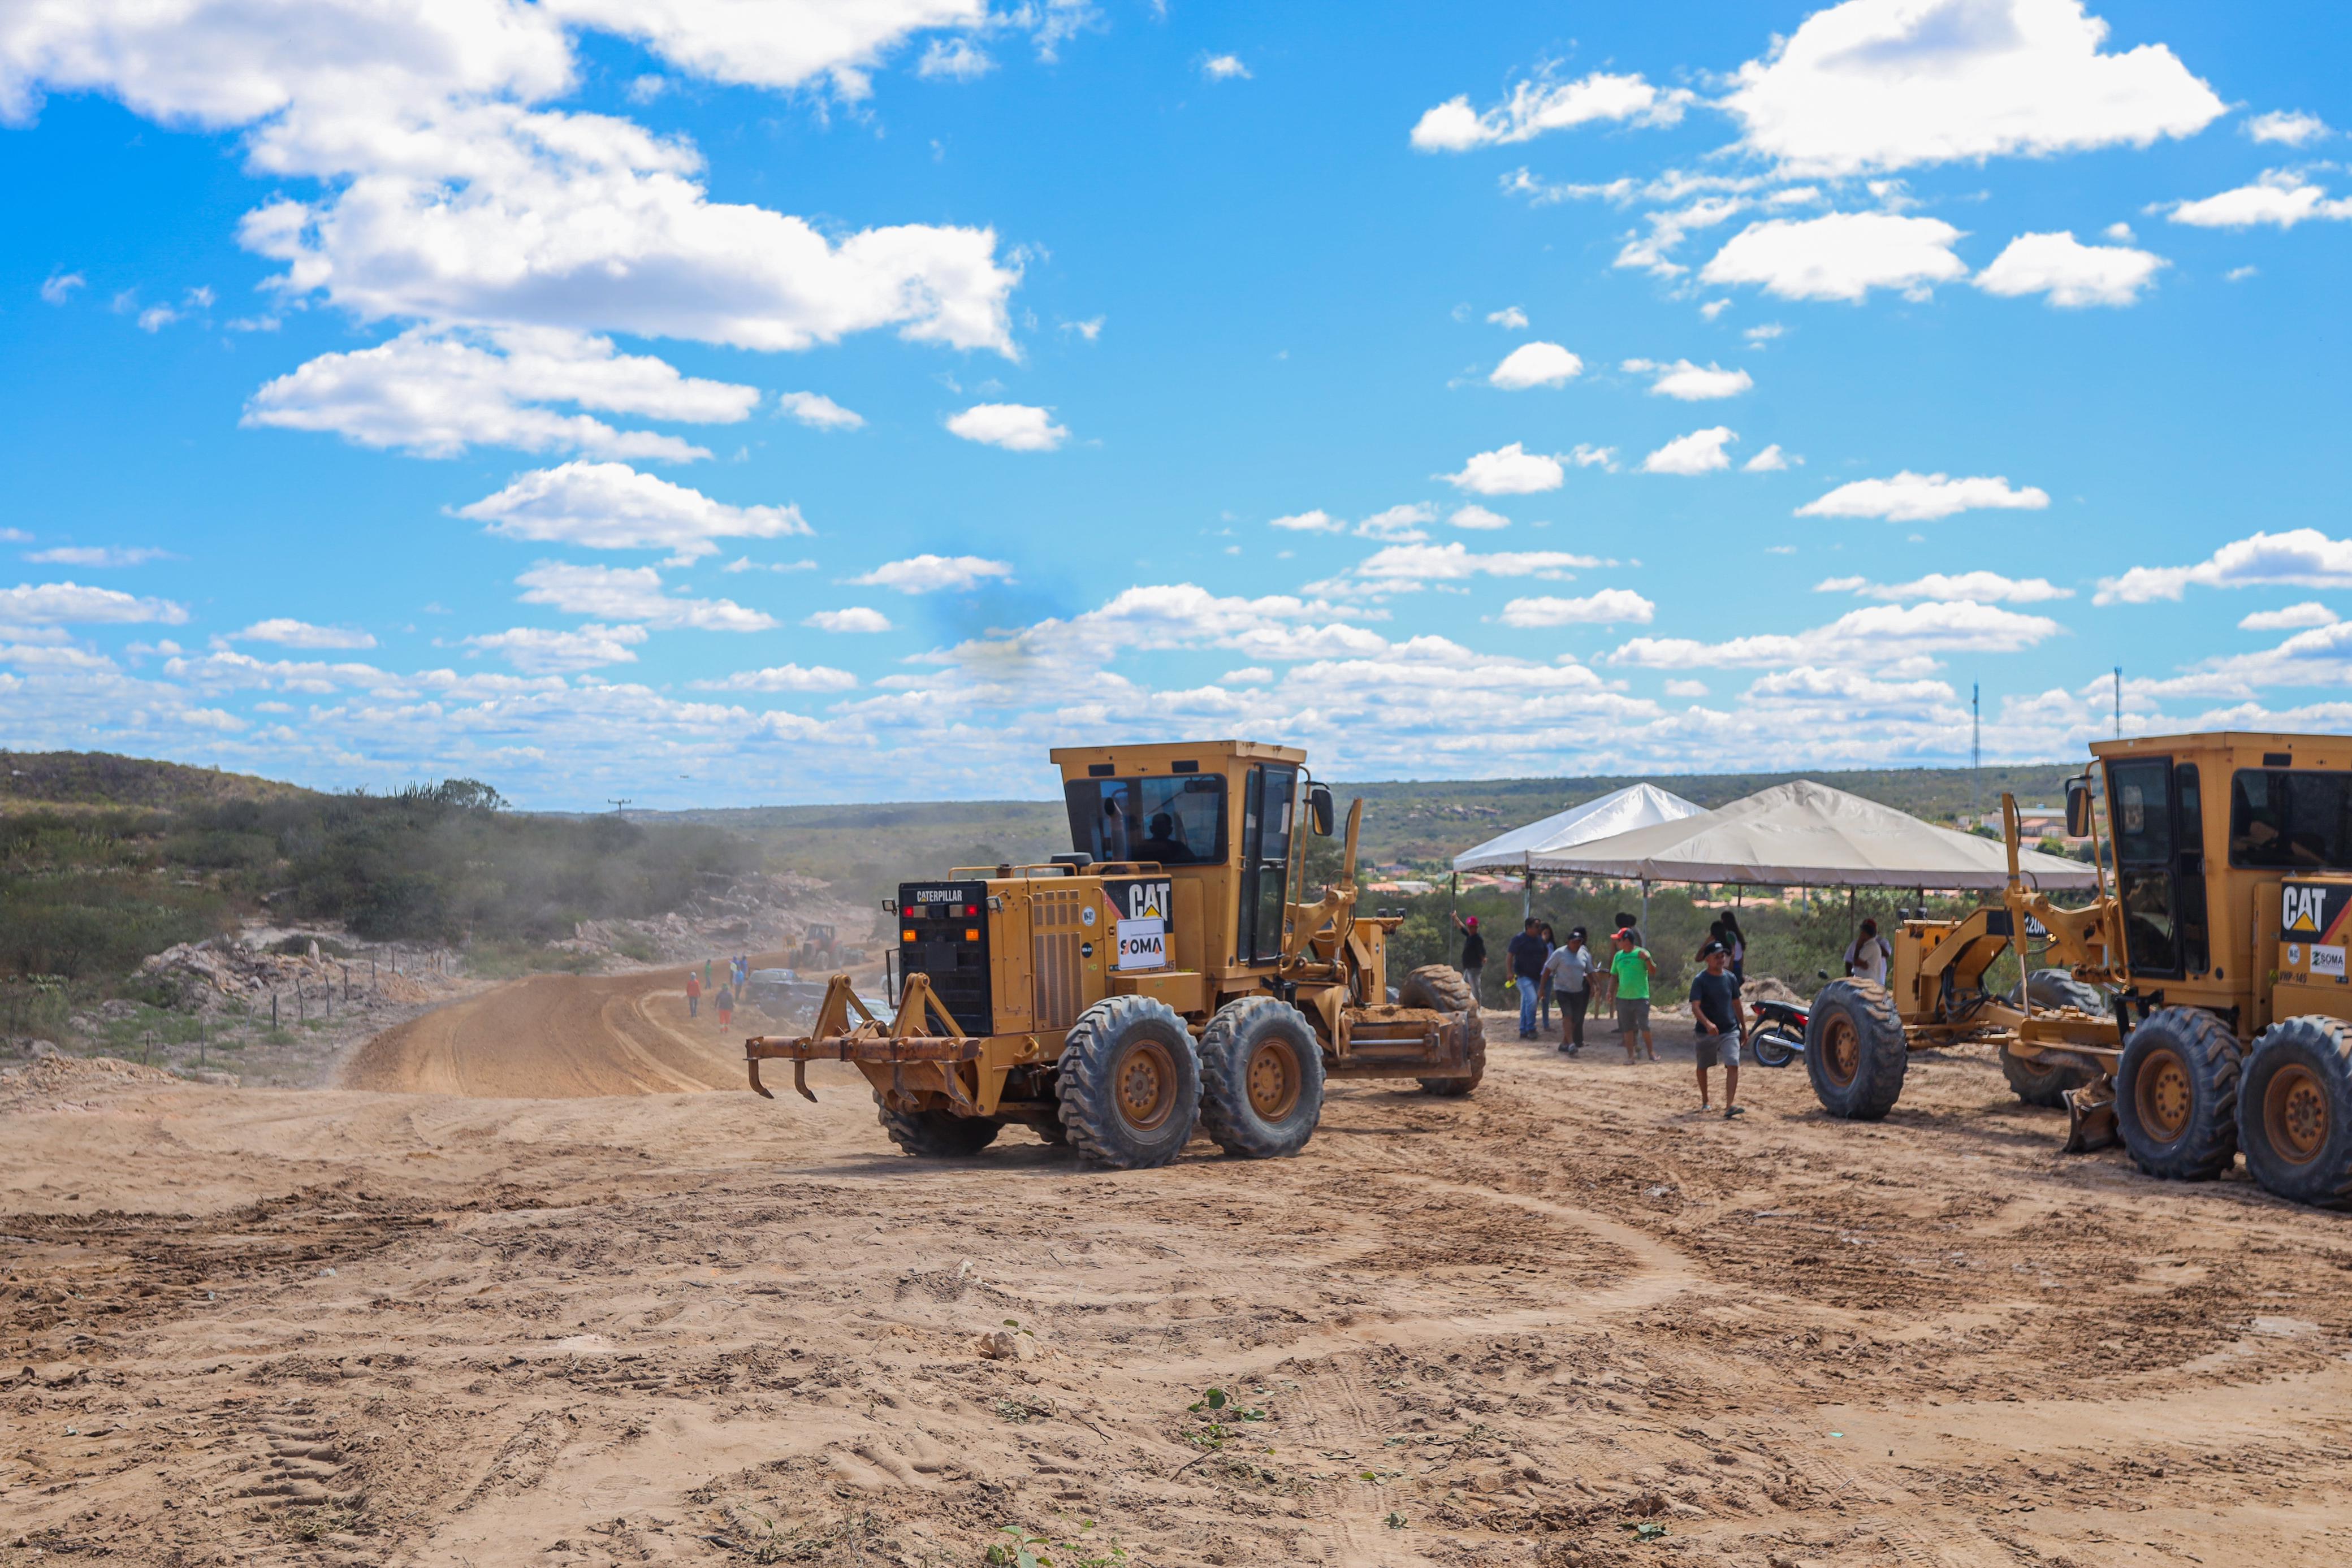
[2218,950]
[1165,974]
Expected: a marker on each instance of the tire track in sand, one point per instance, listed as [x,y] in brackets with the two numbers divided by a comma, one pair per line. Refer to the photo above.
[555,1036]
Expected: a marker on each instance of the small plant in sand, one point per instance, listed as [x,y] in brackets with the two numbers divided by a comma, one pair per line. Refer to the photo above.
[1025,1550]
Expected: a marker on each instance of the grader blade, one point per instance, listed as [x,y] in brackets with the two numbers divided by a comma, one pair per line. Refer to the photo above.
[2091,1115]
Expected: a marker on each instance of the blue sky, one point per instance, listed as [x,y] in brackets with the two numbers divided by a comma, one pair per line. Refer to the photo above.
[833,400]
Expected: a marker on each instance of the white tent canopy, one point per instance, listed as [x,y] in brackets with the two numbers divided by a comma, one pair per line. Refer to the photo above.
[1804,835]
[1639,806]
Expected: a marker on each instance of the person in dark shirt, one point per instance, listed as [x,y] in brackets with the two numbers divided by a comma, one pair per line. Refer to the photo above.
[1527,955]
[1163,845]
[1714,1009]
[1473,951]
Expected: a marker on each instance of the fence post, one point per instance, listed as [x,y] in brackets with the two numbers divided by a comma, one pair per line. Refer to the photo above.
[273,1012]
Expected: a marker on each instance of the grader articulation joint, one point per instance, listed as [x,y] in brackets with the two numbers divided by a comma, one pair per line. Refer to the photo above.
[1165,975]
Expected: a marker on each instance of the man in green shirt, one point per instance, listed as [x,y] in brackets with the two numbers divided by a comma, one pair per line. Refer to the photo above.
[1630,971]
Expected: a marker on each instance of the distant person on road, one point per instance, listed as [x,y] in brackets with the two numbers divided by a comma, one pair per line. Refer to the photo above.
[1868,955]
[1630,972]
[1528,955]
[1624,922]
[725,1002]
[693,993]
[1714,1009]
[1568,972]
[1543,980]
[1473,951]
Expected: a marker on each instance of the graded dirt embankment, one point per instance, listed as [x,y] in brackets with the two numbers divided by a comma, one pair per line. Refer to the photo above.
[559,1037]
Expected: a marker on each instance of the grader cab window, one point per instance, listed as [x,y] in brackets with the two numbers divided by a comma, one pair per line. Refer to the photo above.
[1176,821]
[2158,814]
[2291,822]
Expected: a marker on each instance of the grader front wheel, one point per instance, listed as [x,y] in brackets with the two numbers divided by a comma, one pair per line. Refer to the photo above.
[1855,1050]
[1261,1078]
[2176,1092]
[937,1134]
[1131,1083]
[2295,1110]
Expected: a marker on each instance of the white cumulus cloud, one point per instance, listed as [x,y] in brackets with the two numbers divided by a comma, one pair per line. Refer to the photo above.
[1771,460]
[1317,521]
[2299,557]
[538,650]
[434,393]
[1911,497]
[1537,364]
[288,633]
[1510,317]
[1608,607]
[2071,273]
[1478,517]
[2292,127]
[1875,638]
[817,411]
[1977,587]
[66,603]
[933,574]
[1015,427]
[1542,104]
[1700,452]
[94,555]
[2294,618]
[1689,383]
[632,593]
[610,505]
[856,618]
[782,678]
[2281,197]
[1880,85]
[1224,67]
[1839,256]
[1507,471]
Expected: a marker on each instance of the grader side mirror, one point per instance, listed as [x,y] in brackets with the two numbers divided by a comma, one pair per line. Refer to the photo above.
[2078,808]
[1319,809]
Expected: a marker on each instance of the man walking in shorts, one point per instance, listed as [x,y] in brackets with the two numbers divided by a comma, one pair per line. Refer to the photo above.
[1631,970]
[1569,970]
[1714,1008]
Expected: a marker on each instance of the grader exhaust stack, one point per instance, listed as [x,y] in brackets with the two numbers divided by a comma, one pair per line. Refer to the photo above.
[1166,974]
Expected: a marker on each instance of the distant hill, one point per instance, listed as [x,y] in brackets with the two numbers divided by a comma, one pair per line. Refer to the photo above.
[35,779]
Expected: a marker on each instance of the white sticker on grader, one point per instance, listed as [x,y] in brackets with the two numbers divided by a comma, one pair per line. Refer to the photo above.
[2327,961]
[1142,944]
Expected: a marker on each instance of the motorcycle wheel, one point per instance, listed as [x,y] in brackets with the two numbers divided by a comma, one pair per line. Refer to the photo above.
[1772,1048]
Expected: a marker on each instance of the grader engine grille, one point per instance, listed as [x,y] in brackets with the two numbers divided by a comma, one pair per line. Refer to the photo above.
[944,933]
[1054,936]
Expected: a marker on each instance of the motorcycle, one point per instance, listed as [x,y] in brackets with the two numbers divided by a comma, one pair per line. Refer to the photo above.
[1776,1037]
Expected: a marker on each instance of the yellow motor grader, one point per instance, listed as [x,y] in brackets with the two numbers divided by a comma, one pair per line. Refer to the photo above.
[2215,948]
[1164,975]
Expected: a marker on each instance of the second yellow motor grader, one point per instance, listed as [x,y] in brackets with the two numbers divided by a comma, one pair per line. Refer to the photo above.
[1165,974]
[2214,955]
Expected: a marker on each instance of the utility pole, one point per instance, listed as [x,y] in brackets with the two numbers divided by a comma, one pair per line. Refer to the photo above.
[1975,747]
[620,807]
[2119,702]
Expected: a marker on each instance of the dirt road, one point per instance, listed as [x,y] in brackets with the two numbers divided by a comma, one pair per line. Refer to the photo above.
[1566,1321]
[556,1037]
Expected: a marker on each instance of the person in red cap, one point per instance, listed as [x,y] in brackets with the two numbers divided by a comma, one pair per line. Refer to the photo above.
[1473,951]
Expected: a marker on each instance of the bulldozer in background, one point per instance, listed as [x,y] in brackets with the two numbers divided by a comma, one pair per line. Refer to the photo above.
[1165,975]
[2218,950]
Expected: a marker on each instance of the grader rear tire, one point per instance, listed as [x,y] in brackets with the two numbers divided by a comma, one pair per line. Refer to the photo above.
[2042,1083]
[2294,1111]
[1855,1050]
[938,1134]
[1443,990]
[1129,1084]
[1261,1078]
[2177,1095]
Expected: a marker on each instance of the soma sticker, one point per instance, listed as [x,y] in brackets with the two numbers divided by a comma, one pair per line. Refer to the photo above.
[1142,945]
[2327,961]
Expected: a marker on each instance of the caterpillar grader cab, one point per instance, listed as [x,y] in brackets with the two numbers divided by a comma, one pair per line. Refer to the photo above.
[1168,973]
[2212,1014]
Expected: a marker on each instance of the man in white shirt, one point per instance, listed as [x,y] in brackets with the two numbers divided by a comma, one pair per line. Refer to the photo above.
[1569,970]
[1867,956]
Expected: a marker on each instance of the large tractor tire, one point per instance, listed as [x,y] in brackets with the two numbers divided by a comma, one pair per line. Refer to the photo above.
[1443,990]
[1261,1078]
[2039,1082]
[2295,1110]
[1129,1084]
[938,1134]
[2177,1095]
[1855,1050]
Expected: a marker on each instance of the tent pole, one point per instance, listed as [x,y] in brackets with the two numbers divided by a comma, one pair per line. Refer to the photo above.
[1645,909]
[1528,897]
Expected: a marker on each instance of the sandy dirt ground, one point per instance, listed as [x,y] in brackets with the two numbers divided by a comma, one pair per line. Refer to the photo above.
[1565,1321]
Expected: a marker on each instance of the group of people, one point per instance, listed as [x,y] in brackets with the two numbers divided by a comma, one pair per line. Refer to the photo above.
[723,1002]
[1544,969]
